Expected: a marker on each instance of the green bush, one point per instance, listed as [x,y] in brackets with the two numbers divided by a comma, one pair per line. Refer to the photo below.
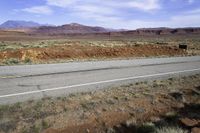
[11,61]
[147,128]
[27,60]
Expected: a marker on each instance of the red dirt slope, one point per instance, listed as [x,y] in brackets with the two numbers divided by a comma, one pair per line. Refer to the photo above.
[86,52]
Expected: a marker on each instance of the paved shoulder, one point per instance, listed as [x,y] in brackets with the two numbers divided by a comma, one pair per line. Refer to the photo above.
[30,70]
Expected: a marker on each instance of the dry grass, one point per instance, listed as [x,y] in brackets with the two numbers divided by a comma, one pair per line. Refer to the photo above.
[108,108]
[171,130]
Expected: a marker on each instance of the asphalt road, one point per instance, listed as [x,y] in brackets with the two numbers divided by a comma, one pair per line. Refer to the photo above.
[21,83]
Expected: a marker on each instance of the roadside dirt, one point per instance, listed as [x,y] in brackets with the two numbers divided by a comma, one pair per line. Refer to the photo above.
[87,52]
[125,109]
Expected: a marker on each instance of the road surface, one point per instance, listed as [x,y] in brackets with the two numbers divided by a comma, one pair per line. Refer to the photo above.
[27,82]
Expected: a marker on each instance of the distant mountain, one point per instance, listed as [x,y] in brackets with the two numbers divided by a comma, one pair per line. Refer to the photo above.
[13,24]
[68,29]
[164,30]
[157,28]
[159,31]
[75,28]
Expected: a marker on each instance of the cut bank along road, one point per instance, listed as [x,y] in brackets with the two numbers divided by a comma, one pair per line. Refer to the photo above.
[21,83]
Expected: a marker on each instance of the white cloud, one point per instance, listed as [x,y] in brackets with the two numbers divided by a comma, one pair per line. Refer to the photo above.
[112,15]
[116,13]
[88,7]
[185,20]
[60,3]
[99,18]
[39,10]
[146,5]
[174,22]
[111,12]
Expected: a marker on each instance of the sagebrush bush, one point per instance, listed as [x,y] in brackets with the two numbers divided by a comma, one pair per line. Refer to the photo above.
[11,61]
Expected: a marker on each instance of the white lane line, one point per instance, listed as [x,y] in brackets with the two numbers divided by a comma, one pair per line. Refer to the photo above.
[6,77]
[99,82]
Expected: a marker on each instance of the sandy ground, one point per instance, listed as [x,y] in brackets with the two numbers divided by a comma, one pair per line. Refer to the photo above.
[140,107]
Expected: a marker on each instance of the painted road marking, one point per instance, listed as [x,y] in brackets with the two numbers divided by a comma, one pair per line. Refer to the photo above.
[98,82]
[8,77]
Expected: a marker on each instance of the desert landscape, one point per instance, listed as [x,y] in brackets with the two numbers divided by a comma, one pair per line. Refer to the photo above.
[92,66]
[79,42]
[160,106]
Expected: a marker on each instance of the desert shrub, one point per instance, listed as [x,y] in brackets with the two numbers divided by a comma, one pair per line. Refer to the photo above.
[147,128]
[7,125]
[24,130]
[11,61]
[27,60]
[3,109]
[137,45]
[44,124]
[34,129]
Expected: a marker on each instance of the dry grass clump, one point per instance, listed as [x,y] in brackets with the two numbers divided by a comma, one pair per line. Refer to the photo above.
[171,130]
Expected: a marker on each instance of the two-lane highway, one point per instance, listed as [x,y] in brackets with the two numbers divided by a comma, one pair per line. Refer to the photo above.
[21,83]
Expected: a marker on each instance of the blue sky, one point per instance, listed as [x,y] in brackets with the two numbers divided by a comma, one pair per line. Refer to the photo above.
[128,14]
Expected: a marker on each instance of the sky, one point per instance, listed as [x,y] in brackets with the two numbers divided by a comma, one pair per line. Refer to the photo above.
[118,14]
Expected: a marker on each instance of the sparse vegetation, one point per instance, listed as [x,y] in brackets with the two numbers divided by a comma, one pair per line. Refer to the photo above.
[193,42]
[147,128]
[171,115]
[171,130]
[27,61]
[11,61]
[125,108]
[79,51]
[137,42]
